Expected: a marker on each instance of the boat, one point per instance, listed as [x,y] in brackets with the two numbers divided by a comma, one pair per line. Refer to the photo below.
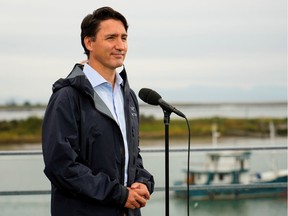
[226,175]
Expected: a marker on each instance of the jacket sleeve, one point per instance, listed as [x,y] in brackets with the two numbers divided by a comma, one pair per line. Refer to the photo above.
[61,150]
[142,175]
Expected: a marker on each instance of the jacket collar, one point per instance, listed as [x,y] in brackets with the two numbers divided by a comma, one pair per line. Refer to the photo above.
[79,81]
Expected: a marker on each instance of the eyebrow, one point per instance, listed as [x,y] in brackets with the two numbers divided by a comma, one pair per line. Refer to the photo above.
[115,35]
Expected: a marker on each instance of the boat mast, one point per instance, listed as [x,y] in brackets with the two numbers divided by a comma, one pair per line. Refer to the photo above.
[215,135]
[272,142]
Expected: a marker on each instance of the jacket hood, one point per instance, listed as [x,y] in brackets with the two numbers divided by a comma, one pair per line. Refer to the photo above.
[75,79]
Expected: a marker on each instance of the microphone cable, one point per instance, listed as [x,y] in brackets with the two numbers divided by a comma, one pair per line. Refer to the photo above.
[188,167]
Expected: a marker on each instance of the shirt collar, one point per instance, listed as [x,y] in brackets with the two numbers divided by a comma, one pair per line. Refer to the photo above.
[96,79]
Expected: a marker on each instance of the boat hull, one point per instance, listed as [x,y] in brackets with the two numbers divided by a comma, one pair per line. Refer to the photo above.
[229,193]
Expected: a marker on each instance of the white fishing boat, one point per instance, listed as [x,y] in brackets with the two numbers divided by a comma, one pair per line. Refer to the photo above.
[226,175]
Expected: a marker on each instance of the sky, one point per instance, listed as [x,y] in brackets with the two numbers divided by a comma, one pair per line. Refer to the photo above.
[186,50]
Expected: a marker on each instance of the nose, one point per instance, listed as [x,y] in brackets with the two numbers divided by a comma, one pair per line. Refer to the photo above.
[121,44]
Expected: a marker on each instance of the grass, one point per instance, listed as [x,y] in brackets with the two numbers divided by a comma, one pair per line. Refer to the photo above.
[202,127]
[29,130]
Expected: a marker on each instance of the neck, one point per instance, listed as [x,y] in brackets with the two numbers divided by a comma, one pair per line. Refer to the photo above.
[108,74]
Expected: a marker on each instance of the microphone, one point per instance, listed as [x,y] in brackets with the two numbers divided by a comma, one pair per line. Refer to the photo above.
[153,98]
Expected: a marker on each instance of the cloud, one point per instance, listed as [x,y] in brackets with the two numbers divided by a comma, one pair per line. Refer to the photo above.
[172,45]
[227,71]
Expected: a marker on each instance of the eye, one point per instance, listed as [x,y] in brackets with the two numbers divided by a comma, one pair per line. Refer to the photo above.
[124,38]
[110,38]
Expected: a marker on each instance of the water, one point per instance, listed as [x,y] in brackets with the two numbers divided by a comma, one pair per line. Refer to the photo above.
[26,173]
[39,205]
[20,114]
[256,207]
[244,110]
[22,173]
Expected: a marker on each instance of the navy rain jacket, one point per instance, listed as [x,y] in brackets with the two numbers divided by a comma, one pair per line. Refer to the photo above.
[83,150]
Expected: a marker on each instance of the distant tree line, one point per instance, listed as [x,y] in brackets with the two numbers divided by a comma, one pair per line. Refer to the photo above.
[21,131]
[26,104]
[29,130]
[202,127]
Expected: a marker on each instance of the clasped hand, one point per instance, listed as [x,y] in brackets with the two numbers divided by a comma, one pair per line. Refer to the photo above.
[138,196]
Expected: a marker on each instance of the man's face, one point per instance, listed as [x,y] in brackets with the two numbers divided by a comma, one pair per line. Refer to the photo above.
[109,48]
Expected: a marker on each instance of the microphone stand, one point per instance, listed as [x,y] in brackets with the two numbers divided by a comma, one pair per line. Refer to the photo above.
[166,122]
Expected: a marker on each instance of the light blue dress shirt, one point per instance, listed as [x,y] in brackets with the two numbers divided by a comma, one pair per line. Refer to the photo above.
[114,100]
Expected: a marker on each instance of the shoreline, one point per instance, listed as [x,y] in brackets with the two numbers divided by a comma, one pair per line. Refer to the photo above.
[160,143]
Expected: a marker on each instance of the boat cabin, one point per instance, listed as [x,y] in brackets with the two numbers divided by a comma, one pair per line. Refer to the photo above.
[222,168]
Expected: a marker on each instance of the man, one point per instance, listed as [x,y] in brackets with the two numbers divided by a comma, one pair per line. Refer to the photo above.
[90,129]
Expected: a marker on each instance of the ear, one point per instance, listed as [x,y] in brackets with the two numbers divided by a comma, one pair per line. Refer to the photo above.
[88,43]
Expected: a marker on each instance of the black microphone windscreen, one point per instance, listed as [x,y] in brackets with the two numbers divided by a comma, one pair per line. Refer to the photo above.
[149,96]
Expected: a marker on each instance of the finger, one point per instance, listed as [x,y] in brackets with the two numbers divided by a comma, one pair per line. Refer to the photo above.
[147,194]
[141,200]
[143,193]
[135,185]
[137,204]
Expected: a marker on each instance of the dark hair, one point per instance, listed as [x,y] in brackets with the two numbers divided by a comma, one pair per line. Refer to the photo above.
[90,24]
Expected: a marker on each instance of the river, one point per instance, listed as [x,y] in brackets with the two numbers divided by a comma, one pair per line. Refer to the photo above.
[234,110]
[25,172]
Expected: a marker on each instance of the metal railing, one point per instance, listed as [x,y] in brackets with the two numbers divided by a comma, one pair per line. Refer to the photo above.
[172,188]
[172,150]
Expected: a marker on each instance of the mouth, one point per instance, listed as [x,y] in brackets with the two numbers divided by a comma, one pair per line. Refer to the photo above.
[119,54]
